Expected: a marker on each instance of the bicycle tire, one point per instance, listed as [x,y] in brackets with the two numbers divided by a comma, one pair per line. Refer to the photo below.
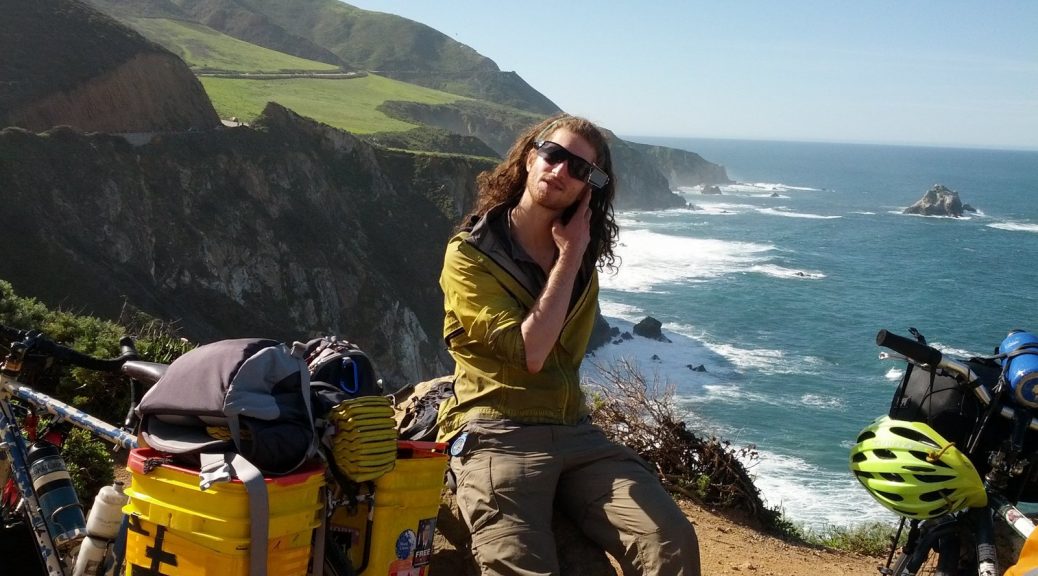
[18,548]
[949,556]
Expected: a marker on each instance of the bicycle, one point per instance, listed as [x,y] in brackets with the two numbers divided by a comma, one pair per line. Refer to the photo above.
[956,496]
[37,494]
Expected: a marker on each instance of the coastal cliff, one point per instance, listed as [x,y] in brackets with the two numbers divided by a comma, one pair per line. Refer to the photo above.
[287,229]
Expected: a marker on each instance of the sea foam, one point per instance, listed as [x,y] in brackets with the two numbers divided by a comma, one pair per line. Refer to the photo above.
[651,260]
[1015,226]
[782,211]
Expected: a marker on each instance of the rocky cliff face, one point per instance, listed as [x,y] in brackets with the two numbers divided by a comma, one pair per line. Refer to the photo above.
[683,168]
[287,230]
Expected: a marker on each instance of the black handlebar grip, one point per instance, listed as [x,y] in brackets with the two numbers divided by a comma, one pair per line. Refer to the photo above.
[127,350]
[916,351]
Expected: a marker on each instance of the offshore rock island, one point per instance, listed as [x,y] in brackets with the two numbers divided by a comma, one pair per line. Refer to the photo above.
[939,201]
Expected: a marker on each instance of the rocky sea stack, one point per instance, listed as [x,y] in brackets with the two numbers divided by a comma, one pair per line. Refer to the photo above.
[939,201]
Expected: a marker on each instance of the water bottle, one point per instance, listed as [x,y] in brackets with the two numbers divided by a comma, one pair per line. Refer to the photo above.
[102,527]
[1022,370]
[58,502]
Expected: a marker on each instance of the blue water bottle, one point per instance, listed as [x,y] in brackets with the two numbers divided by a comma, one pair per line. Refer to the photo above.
[58,501]
[1021,369]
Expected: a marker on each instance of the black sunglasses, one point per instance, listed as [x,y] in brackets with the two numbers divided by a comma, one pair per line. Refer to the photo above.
[578,168]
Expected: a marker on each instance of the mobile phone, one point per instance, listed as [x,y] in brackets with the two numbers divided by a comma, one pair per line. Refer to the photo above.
[569,212]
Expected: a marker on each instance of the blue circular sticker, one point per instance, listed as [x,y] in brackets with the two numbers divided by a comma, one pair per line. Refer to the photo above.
[459,444]
[405,544]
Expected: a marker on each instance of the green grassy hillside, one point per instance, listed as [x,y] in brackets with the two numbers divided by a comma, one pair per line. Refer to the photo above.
[204,48]
[349,104]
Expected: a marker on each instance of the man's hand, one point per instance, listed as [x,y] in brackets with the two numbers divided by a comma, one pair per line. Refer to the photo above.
[573,237]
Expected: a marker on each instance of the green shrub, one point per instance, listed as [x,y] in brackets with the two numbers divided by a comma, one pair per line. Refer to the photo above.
[90,464]
[104,396]
[872,539]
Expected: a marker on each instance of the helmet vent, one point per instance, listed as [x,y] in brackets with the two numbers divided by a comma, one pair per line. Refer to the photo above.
[889,495]
[930,479]
[914,435]
[884,454]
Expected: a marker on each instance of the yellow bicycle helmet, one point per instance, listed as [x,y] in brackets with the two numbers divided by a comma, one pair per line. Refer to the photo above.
[910,469]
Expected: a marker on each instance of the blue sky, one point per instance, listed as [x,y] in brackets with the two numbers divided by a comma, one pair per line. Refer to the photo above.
[948,73]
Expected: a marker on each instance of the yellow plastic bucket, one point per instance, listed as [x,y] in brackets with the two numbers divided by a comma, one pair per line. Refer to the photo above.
[176,529]
[406,501]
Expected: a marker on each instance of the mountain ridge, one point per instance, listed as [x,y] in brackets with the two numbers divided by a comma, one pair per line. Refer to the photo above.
[159,218]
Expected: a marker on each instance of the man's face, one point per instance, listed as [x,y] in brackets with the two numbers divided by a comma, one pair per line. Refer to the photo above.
[551,185]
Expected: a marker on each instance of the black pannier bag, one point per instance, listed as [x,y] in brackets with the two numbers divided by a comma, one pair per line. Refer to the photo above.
[235,409]
[955,412]
[249,396]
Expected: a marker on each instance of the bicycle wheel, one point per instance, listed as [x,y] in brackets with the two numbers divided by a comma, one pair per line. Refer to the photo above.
[947,555]
[18,548]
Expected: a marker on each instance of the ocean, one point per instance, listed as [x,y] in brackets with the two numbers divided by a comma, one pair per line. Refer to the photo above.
[779,285]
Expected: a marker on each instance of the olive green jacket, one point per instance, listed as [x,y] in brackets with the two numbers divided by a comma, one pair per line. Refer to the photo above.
[486,297]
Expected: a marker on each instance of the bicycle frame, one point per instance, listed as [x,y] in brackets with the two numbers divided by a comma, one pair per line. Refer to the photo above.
[14,444]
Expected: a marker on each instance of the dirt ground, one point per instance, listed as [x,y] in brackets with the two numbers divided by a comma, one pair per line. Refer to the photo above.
[727,547]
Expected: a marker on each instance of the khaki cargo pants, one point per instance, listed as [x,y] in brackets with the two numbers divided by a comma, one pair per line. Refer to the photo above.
[510,477]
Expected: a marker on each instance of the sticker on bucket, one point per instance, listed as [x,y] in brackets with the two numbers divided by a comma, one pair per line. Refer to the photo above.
[405,544]
[414,550]
[424,547]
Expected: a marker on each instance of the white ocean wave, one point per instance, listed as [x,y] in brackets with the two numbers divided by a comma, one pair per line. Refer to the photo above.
[670,363]
[782,211]
[806,493]
[780,272]
[620,310]
[651,260]
[768,361]
[719,209]
[821,401]
[753,187]
[902,213]
[894,374]
[1015,226]
[954,352]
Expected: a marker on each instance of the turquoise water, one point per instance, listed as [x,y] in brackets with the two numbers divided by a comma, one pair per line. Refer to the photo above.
[779,285]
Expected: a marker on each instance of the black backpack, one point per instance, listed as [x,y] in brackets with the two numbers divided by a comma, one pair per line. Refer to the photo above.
[235,409]
[339,370]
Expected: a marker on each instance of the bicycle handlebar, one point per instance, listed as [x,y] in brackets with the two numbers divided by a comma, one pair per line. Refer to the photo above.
[922,354]
[33,342]
[917,351]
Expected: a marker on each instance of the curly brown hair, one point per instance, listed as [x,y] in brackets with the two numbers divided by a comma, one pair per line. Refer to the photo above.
[506,183]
